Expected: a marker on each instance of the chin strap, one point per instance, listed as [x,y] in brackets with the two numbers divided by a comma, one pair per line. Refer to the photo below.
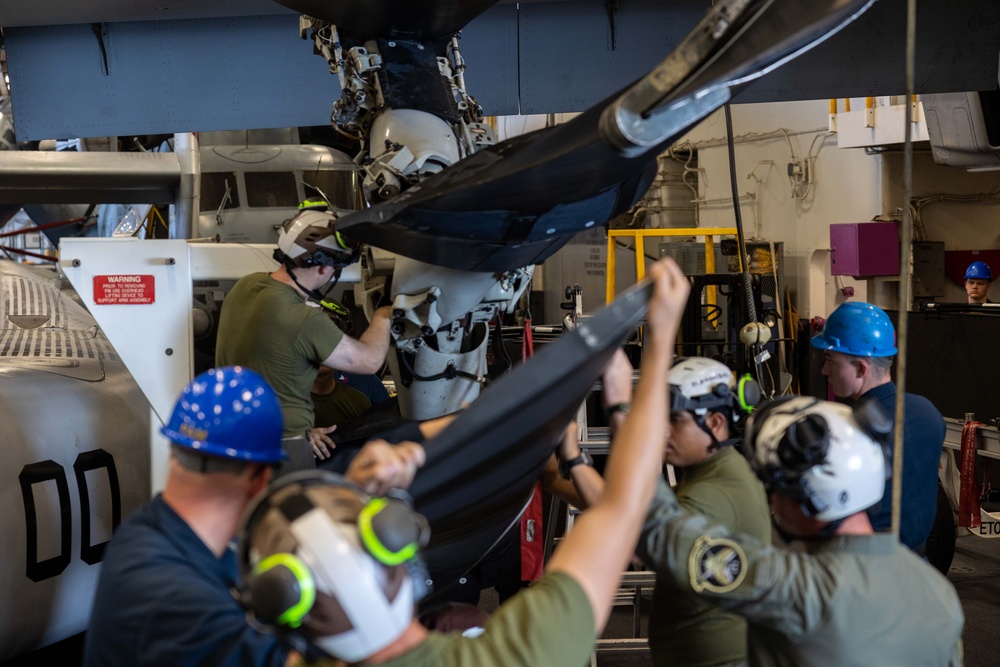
[314,294]
[716,445]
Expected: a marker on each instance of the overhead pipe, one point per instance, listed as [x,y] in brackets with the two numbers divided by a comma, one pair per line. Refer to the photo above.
[47,225]
[28,253]
[186,205]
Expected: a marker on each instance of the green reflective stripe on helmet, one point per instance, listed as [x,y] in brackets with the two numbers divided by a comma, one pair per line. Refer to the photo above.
[341,241]
[740,395]
[372,542]
[292,617]
[313,203]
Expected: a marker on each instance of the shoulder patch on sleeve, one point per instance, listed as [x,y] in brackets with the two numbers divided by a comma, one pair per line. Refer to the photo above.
[716,564]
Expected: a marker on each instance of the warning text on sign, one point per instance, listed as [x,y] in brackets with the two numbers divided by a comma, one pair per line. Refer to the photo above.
[124,289]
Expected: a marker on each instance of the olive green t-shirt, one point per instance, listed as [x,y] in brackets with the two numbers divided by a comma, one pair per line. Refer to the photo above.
[342,403]
[266,326]
[684,629]
[548,625]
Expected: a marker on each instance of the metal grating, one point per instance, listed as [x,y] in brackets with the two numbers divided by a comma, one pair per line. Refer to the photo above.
[34,323]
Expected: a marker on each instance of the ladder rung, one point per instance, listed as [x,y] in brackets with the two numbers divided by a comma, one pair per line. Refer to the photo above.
[622,645]
[643,578]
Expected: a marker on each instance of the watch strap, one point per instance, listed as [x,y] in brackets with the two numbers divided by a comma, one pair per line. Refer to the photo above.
[616,407]
[583,458]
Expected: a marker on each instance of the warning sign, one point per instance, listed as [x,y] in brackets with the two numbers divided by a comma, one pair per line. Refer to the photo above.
[127,289]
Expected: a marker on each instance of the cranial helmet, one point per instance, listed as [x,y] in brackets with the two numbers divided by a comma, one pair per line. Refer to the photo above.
[979,270]
[231,413]
[702,385]
[859,329]
[824,454]
[310,238]
[330,566]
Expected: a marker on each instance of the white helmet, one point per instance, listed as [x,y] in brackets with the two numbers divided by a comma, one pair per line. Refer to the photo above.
[824,454]
[327,564]
[310,238]
[700,385]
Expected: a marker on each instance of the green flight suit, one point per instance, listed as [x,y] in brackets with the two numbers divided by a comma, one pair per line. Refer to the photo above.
[685,630]
[860,600]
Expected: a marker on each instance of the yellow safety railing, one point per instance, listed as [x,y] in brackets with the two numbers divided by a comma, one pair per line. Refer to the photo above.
[640,252]
[153,216]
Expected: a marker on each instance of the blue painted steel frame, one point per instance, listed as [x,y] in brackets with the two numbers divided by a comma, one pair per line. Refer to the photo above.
[536,57]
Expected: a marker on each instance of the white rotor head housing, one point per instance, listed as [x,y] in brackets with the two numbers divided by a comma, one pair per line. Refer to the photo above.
[430,139]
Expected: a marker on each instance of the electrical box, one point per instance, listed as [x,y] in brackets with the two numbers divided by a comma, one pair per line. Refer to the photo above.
[928,269]
[864,249]
[690,256]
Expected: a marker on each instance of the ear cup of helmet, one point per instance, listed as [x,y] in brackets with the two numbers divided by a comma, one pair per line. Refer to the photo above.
[280,590]
[748,393]
[391,531]
[805,443]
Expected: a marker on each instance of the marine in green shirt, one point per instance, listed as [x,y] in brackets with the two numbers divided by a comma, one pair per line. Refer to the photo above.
[334,401]
[337,569]
[272,323]
[713,480]
[852,597]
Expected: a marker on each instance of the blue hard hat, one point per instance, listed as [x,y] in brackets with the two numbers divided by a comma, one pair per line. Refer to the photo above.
[980,270]
[859,329]
[231,413]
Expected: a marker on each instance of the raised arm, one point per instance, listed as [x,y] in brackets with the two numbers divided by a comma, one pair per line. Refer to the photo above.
[584,486]
[617,395]
[365,354]
[599,547]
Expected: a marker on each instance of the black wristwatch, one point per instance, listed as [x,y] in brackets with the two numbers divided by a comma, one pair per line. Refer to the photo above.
[582,458]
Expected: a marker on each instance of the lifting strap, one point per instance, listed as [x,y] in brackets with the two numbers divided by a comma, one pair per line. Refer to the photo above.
[968,497]
[532,530]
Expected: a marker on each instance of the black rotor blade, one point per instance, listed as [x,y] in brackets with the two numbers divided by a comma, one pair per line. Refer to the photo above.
[481,469]
[510,205]
[518,202]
